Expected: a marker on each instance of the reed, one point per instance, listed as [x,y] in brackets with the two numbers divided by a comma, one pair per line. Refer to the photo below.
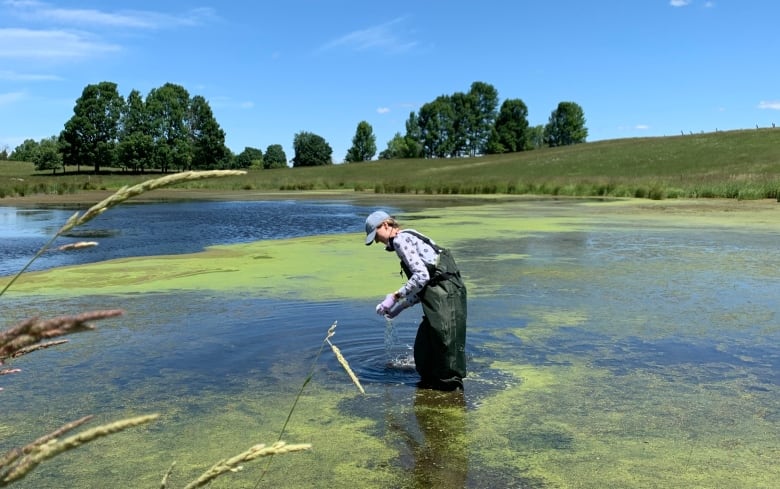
[19,462]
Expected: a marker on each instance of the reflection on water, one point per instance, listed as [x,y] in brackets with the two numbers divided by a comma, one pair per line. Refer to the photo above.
[606,357]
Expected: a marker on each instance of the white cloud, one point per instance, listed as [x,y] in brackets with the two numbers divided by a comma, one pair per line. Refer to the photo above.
[381,37]
[679,3]
[769,104]
[709,4]
[382,110]
[642,127]
[14,76]
[11,97]
[42,12]
[55,44]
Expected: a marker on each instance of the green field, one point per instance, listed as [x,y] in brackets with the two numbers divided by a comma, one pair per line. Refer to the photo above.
[741,164]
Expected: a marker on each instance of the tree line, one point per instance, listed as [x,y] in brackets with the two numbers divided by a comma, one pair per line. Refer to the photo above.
[169,130]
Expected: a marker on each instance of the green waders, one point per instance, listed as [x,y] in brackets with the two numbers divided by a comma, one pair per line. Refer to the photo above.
[440,345]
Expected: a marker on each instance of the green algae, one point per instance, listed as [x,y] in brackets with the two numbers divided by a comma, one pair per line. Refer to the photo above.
[594,396]
[579,426]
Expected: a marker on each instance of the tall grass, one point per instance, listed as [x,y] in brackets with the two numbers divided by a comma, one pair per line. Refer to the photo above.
[742,164]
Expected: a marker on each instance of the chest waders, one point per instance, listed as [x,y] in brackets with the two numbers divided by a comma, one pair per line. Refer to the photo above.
[440,344]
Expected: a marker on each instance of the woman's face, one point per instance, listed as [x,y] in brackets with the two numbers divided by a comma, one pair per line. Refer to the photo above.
[383,233]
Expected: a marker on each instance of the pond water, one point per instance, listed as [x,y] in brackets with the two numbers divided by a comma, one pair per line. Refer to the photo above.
[606,349]
[162,229]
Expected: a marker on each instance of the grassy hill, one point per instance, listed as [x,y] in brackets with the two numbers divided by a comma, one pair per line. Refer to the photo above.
[741,164]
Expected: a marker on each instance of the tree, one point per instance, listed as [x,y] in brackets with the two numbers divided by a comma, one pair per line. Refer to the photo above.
[48,156]
[207,138]
[363,144]
[136,144]
[436,127]
[25,151]
[250,158]
[536,136]
[511,127]
[90,136]
[311,150]
[274,157]
[484,101]
[168,109]
[566,125]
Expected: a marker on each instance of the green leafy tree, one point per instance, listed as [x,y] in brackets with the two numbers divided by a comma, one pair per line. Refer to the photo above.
[25,151]
[511,128]
[566,125]
[536,136]
[463,121]
[208,139]
[413,137]
[311,150]
[48,156]
[168,109]
[4,154]
[396,148]
[436,127]
[274,157]
[136,144]
[250,158]
[482,116]
[90,136]
[363,144]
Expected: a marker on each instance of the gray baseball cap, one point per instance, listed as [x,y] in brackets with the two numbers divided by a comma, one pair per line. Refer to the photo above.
[372,222]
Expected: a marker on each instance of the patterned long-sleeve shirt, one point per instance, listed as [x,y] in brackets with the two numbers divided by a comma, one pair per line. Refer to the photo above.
[415,253]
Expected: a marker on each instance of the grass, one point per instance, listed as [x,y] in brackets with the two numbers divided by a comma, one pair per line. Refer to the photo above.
[742,164]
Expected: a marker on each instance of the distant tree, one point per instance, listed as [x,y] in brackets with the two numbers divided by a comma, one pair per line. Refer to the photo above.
[48,156]
[168,109]
[396,148]
[136,144]
[250,158]
[566,125]
[483,105]
[4,153]
[25,151]
[536,137]
[436,121]
[363,144]
[311,150]
[207,138]
[90,136]
[511,127]
[413,137]
[274,157]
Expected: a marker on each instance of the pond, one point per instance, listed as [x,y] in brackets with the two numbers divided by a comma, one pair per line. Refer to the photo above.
[610,344]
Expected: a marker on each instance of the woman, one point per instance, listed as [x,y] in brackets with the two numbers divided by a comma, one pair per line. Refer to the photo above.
[433,279]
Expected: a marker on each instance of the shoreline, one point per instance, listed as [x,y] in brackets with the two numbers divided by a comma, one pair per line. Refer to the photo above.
[88,198]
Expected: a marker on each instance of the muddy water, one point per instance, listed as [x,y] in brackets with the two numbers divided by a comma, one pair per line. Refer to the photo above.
[610,345]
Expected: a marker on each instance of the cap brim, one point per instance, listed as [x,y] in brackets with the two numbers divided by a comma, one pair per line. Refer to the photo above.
[370,237]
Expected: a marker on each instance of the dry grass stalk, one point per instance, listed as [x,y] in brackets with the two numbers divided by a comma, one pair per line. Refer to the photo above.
[52,446]
[343,362]
[77,246]
[15,453]
[340,357]
[233,464]
[32,330]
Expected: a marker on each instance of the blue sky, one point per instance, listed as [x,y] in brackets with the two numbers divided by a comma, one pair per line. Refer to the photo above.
[272,69]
